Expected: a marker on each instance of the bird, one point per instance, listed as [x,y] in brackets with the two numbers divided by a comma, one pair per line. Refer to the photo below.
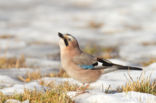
[81,66]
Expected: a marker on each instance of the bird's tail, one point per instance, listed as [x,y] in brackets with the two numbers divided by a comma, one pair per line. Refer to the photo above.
[121,67]
[106,63]
[116,67]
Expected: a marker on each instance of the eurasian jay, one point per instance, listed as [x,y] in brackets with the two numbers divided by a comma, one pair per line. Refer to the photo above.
[82,66]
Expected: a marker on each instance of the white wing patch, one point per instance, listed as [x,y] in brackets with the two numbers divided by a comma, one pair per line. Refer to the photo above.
[99,64]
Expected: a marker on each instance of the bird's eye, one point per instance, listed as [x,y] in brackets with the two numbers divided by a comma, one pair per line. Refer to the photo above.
[69,39]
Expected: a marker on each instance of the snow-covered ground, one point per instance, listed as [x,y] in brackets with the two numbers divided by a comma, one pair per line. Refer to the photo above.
[128,25]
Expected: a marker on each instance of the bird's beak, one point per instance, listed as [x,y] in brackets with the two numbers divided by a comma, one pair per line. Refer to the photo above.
[61,35]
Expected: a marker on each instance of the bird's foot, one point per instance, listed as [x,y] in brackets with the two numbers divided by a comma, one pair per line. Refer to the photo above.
[81,92]
[82,89]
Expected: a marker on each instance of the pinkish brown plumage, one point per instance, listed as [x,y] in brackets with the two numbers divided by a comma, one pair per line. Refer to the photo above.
[81,66]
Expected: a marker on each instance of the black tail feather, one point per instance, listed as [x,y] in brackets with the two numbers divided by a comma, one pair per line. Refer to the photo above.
[120,67]
[106,63]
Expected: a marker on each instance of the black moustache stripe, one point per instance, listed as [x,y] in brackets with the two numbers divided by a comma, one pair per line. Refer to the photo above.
[95,64]
[60,35]
[66,42]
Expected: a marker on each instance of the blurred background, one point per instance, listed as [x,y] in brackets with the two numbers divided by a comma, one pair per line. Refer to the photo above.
[123,31]
[113,29]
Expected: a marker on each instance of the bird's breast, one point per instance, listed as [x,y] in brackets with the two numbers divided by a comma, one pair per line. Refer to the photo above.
[75,71]
[82,75]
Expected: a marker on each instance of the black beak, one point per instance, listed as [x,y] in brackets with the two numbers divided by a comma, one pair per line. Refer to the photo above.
[60,35]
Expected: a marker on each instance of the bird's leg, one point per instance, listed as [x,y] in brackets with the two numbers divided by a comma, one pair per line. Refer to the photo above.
[83,88]
[86,86]
[80,87]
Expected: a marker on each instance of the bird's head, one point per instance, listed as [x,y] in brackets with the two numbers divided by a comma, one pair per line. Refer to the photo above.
[67,41]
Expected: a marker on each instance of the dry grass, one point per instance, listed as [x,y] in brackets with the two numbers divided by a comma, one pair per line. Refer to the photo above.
[150,61]
[29,76]
[148,43]
[107,53]
[6,36]
[133,27]
[57,94]
[38,43]
[144,85]
[64,86]
[94,24]
[6,63]
[61,73]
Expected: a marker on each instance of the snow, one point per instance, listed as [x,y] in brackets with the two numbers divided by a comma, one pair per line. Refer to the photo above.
[19,88]
[16,101]
[42,63]
[151,67]
[12,101]
[58,80]
[128,25]
[6,81]
[5,44]
[100,97]
[138,53]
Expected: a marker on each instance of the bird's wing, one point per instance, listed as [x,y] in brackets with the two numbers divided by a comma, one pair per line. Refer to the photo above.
[87,61]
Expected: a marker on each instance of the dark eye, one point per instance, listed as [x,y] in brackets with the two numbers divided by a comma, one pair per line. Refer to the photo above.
[69,39]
